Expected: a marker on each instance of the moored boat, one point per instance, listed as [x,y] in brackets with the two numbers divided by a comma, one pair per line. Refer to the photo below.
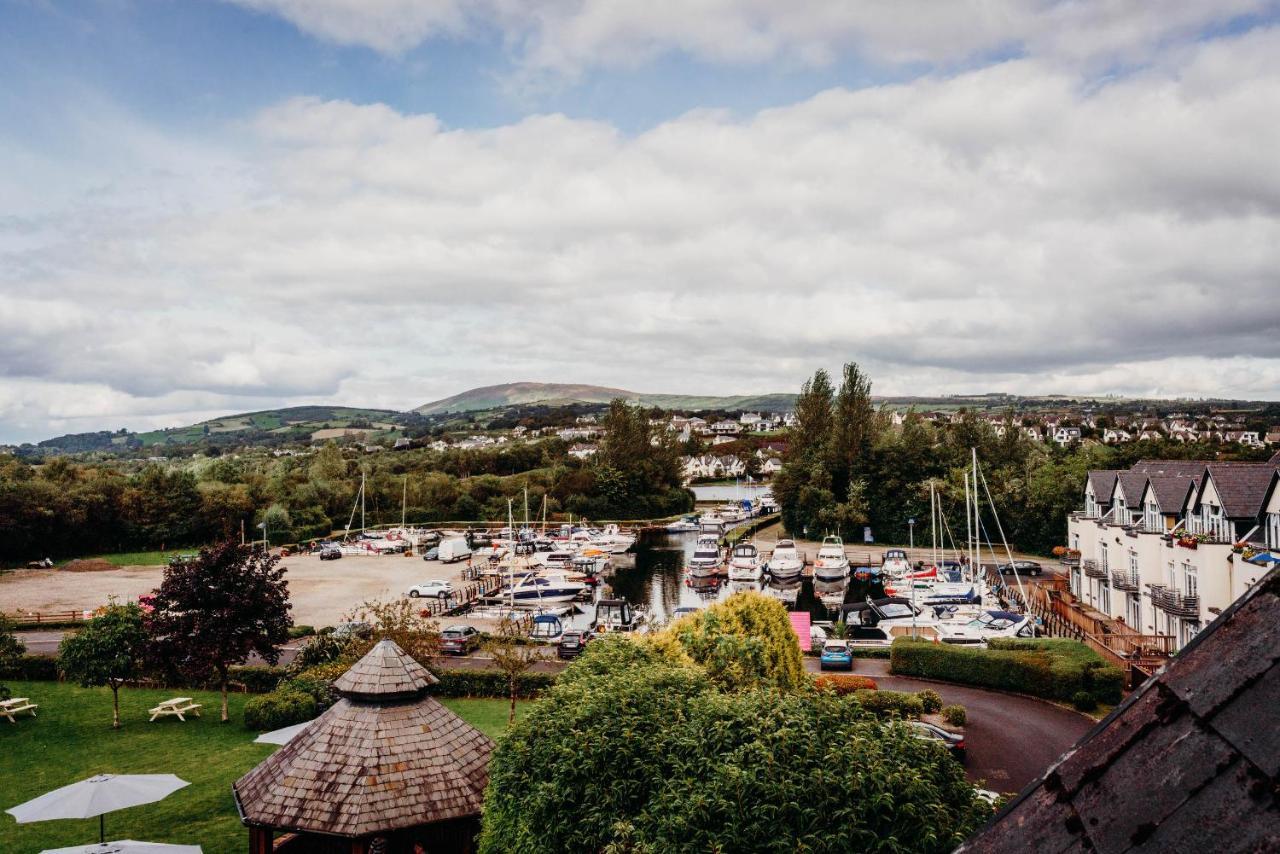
[744,562]
[831,563]
[707,557]
[785,562]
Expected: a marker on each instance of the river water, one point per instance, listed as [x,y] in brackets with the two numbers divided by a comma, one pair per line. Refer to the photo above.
[658,583]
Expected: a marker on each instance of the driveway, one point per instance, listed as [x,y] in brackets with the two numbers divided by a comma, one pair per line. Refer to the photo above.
[1011,740]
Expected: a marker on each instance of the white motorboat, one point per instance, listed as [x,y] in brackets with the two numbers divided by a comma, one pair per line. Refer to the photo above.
[895,563]
[707,557]
[711,523]
[684,525]
[744,562]
[831,563]
[987,626]
[534,590]
[785,563]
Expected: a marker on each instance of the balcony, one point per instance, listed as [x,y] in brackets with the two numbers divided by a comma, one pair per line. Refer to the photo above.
[1122,579]
[1175,602]
[1092,569]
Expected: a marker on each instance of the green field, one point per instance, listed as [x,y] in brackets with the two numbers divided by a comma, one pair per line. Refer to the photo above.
[137,558]
[72,739]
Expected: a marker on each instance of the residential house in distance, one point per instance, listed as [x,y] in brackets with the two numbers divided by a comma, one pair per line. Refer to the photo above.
[1066,435]
[582,451]
[1113,435]
[1167,545]
[1273,436]
[726,428]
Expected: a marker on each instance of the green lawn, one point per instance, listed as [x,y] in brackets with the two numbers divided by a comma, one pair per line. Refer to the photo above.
[72,739]
[138,558]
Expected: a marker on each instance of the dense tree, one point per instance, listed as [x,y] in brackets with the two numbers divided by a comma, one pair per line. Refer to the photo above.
[218,608]
[110,650]
[634,750]
[745,641]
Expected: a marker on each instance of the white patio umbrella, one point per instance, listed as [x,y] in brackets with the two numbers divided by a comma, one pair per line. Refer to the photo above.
[127,846]
[283,735]
[97,796]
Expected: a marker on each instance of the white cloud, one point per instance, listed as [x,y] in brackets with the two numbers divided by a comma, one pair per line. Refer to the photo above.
[570,35]
[1008,228]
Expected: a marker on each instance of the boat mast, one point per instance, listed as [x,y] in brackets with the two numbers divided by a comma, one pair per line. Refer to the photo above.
[968,517]
[404,496]
[977,521]
[361,500]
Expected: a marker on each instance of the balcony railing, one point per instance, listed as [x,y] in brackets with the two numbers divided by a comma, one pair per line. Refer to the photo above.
[1175,602]
[1092,569]
[1123,579]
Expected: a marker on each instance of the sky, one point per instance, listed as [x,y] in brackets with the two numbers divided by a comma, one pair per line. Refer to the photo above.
[214,206]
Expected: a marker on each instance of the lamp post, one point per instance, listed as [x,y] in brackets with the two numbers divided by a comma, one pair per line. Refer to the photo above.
[911,527]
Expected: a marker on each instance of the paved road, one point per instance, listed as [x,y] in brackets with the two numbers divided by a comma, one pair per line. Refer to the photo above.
[1011,740]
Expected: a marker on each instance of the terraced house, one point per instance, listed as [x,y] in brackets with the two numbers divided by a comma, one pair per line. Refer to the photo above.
[1167,545]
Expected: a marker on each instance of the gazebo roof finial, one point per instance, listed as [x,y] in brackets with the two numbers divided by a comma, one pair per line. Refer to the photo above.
[385,673]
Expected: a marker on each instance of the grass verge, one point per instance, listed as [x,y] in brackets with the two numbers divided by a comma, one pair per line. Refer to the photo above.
[72,739]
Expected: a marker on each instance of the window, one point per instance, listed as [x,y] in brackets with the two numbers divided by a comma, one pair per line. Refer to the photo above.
[1104,598]
[1134,615]
[1133,562]
[1189,581]
[1188,632]
[1273,530]
[1102,555]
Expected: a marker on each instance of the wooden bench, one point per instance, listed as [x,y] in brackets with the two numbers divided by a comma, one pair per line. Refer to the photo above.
[9,708]
[177,707]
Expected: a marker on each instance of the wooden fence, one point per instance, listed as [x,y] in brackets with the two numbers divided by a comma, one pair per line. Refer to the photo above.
[1063,616]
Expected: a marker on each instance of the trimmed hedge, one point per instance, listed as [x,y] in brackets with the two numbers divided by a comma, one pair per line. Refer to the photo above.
[257,679]
[891,704]
[32,668]
[489,683]
[278,709]
[842,683]
[1056,669]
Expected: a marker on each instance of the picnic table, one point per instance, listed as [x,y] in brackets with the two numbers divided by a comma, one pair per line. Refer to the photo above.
[11,707]
[178,707]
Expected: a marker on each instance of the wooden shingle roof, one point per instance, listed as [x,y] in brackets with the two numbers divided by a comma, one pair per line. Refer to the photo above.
[385,757]
[385,671]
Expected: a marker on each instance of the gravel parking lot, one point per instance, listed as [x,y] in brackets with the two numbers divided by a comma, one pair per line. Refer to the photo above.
[321,591]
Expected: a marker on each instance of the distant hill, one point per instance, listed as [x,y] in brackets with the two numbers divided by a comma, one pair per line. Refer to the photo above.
[510,394]
[269,426]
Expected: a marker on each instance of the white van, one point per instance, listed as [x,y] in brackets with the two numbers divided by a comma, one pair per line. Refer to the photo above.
[454,550]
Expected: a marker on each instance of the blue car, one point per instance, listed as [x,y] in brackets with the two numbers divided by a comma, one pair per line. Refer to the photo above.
[836,656]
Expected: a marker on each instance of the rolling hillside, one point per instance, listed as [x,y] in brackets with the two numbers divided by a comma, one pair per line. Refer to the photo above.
[508,394]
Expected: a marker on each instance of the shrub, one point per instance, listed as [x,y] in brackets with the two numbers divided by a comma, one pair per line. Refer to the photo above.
[258,679]
[746,641]
[842,683]
[31,668]
[890,704]
[954,715]
[296,632]
[278,709]
[930,699]
[1084,701]
[321,649]
[653,757]
[1051,668]
[317,683]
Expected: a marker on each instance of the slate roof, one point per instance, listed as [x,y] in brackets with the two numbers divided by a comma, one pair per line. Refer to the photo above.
[1189,762]
[1104,482]
[1179,468]
[1241,487]
[386,756]
[1133,483]
[1171,491]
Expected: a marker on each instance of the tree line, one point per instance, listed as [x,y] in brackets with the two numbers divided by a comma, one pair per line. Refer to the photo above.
[847,467]
[62,508]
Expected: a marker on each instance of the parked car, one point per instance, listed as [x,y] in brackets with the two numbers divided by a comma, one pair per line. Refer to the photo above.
[836,656]
[1024,567]
[459,640]
[572,643]
[436,587]
[330,553]
[432,553]
[953,742]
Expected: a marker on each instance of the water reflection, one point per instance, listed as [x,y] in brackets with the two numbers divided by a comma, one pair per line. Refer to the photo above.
[659,583]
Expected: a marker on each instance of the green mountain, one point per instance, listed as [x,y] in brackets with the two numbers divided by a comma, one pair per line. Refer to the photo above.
[510,394]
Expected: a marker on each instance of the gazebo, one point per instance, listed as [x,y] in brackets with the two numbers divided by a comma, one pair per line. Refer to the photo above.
[385,769]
